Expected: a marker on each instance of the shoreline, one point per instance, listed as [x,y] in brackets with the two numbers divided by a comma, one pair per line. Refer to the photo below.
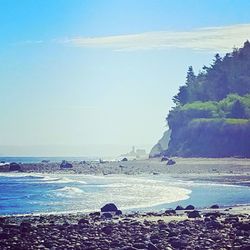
[233,171]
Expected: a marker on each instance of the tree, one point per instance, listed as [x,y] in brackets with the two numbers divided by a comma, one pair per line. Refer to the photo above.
[238,110]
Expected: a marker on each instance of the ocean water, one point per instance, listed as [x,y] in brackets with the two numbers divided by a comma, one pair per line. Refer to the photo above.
[27,159]
[22,193]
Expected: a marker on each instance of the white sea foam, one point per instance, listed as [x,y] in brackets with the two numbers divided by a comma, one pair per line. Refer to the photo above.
[68,191]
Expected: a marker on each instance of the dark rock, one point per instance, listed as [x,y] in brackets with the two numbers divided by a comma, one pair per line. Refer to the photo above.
[95,214]
[107,215]
[83,221]
[125,159]
[190,207]
[25,224]
[171,162]
[65,164]
[118,212]
[128,248]
[170,212]
[244,226]
[14,166]
[215,206]
[194,214]
[107,229]
[186,231]
[179,243]
[164,158]
[139,245]
[179,208]
[214,224]
[151,246]
[110,207]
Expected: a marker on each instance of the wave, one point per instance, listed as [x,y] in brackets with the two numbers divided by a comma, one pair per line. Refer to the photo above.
[68,191]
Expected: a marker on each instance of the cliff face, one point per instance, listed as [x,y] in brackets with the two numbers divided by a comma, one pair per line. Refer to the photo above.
[161,146]
[211,117]
[211,138]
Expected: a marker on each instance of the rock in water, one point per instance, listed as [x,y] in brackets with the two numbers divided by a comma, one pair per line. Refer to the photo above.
[14,166]
[179,208]
[110,207]
[164,158]
[189,207]
[171,162]
[215,206]
[66,164]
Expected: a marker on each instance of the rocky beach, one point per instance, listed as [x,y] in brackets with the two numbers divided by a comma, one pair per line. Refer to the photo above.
[173,229]
[217,228]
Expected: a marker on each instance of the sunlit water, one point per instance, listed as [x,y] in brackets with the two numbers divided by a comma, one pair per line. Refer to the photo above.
[30,193]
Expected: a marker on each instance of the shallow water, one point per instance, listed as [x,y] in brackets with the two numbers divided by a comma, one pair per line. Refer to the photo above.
[25,193]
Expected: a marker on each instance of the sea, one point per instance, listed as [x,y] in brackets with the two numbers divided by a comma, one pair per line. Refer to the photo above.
[29,193]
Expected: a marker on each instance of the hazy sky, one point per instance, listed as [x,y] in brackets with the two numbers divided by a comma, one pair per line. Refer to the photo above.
[95,77]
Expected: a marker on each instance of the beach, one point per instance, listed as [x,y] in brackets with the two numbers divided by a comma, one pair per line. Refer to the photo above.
[157,227]
[223,170]
[211,229]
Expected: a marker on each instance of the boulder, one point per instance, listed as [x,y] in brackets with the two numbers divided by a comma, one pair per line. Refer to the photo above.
[107,215]
[194,214]
[171,162]
[66,164]
[83,221]
[125,159]
[215,206]
[170,212]
[164,158]
[190,207]
[14,166]
[107,229]
[151,246]
[110,207]
[244,226]
[118,212]
[179,208]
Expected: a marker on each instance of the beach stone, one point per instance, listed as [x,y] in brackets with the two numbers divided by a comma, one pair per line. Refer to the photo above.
[107,229]
[164,158]
[118,212]
[215,206]
[244,226]
[107,215]
[83,221]
[65,164]
[128,248]
[179,208]
[110,207]
[170,212]
[186,231]
[194,214]
[151,246]
[190,207]
[14,166]
[139,245]
[179,243]
[171,162]
[214,224]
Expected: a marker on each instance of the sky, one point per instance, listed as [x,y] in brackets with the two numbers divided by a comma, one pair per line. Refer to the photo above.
[95,77]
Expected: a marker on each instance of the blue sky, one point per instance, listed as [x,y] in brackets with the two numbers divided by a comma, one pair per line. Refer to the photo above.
[96,77]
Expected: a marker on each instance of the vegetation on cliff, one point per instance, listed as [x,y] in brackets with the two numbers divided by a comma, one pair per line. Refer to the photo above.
[212,113]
